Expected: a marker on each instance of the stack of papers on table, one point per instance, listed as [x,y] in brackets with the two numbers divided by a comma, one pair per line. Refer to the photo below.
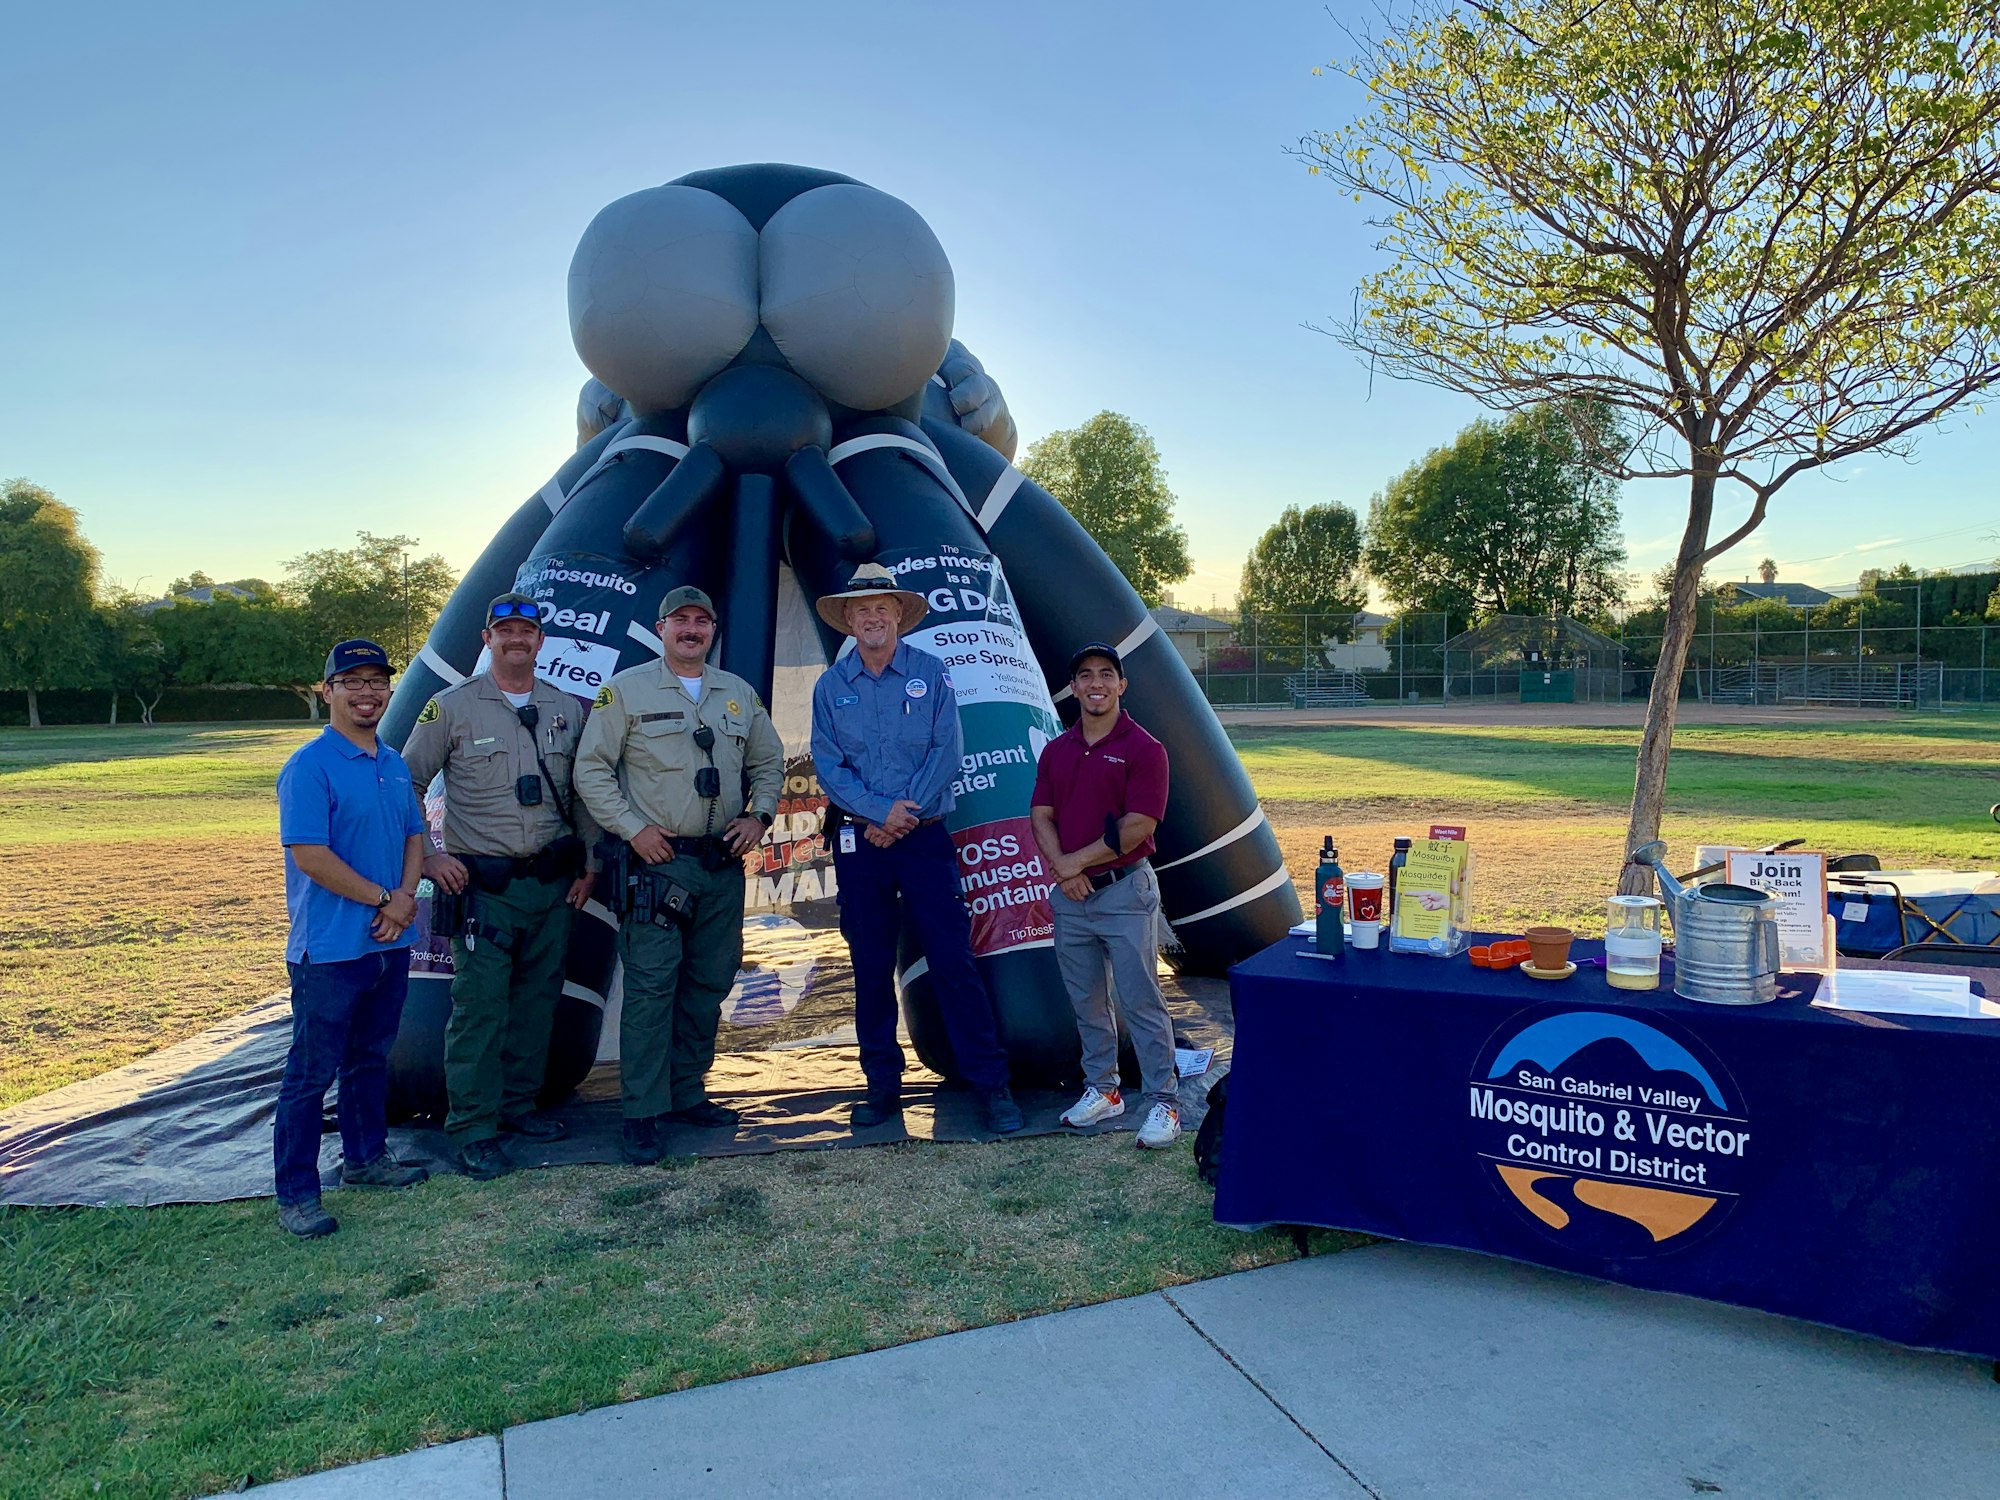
[1901,992]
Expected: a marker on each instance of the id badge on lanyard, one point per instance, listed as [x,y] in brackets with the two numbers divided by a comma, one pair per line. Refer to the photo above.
[846,838]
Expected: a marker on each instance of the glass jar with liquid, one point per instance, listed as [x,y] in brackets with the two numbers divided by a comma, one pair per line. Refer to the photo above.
[1632,942]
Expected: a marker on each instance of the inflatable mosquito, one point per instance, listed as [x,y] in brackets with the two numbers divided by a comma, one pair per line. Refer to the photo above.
[780,397]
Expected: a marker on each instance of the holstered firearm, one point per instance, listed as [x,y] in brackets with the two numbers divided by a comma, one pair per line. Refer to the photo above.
[634,889]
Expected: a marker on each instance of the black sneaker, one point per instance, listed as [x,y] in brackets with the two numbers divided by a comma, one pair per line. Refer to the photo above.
[641,1141]
[707,1113]
[876,1109]
[383,1172]
[484,1160]
[307,1220]
[534,1126]
[1003,1115]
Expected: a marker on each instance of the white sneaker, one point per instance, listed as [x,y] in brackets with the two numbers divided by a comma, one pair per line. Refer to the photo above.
[1094,1106]
[1162,1127]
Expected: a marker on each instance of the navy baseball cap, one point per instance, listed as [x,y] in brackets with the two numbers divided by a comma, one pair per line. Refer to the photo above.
[348,655]
[1096,648]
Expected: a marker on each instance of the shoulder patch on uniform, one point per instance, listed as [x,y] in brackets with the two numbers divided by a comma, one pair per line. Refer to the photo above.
[431,713]
[603,698]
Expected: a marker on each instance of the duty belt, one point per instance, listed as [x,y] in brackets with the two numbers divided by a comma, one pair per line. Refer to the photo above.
[1100,879]
[561,860]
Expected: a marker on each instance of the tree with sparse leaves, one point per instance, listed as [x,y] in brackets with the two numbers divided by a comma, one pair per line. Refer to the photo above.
[48,589]
[1516,517]
[1107,474]
[1763,230]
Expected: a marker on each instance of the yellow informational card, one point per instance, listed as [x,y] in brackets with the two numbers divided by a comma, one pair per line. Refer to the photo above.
[1432,897]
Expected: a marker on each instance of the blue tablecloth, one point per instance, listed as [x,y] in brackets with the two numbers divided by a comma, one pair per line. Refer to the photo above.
[1826,1165]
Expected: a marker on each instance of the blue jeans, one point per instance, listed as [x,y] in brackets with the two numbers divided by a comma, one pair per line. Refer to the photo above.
[344,1020]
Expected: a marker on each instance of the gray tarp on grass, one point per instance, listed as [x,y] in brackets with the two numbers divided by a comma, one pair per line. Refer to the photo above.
[192,1123]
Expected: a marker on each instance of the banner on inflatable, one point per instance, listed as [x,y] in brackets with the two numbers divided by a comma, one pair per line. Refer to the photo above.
[1007,717]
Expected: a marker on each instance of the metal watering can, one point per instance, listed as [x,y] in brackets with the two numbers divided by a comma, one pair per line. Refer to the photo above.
[1725,937]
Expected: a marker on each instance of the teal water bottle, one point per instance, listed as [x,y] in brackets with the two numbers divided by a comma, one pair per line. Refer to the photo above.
[1330,884]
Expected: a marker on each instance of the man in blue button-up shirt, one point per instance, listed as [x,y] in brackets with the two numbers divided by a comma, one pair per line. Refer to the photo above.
[886,744]
[354,846]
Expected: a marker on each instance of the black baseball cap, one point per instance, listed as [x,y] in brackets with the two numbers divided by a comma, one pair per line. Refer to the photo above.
[348,655]
[1096,648]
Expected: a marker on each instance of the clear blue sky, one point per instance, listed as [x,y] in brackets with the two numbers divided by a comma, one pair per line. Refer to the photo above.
[275,273]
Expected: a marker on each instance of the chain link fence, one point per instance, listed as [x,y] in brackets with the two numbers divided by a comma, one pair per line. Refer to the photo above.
[1321,661]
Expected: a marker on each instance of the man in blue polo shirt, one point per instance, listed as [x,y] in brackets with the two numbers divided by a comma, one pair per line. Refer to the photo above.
[354,847]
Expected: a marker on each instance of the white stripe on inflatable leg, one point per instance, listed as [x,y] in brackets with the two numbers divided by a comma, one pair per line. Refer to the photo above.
[996,498]
[1262,888]
[439,665]
[1239,831]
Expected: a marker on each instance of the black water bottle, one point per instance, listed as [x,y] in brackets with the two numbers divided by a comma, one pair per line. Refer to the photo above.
[1396,862]
[1330,884]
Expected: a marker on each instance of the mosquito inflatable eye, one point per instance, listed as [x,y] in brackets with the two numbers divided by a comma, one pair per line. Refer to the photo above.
[663,293]
[857,293]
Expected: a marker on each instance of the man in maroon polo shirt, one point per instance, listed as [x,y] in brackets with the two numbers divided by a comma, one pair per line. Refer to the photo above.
[1100,790]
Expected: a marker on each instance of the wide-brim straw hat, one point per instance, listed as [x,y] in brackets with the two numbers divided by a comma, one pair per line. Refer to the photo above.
[869,580]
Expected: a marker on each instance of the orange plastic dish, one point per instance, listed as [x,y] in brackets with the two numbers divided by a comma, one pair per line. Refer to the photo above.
[1482,956]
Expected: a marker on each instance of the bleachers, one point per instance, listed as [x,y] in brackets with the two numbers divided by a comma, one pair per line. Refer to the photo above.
[1327,689]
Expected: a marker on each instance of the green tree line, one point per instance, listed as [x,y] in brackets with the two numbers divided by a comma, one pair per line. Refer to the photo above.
[62,626]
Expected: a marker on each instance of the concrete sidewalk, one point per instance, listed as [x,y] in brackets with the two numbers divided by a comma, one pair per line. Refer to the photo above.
[1394,1372]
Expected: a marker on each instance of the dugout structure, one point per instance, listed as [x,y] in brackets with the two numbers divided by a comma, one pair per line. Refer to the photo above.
[1533,658]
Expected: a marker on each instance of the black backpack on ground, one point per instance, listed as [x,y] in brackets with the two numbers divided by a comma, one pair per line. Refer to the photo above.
[1208,1139]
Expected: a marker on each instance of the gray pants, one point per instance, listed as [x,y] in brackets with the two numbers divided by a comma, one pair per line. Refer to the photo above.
[1115,933]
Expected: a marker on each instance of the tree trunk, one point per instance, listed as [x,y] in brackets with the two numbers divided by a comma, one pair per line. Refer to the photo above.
[1649,787]
[113,720]
[312,702]
[146,709]
[34,710]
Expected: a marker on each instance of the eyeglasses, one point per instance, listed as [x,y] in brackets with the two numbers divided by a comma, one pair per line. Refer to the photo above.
[508,608]
[359,684]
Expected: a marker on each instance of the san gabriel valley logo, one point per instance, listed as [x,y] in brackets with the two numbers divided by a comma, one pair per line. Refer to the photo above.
[1614,1137]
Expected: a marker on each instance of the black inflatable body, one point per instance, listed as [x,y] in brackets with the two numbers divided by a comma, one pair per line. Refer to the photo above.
[758,465]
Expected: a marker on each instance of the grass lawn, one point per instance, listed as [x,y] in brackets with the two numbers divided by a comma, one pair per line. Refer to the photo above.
[174,1351]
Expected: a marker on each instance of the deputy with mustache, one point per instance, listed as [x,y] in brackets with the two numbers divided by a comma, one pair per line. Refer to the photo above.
[664,765]
[515,844]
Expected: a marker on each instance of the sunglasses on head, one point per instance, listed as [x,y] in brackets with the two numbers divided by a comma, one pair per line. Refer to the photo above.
[512,608]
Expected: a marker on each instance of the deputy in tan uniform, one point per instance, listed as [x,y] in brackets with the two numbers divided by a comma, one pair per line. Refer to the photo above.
[517,842]
[681,761]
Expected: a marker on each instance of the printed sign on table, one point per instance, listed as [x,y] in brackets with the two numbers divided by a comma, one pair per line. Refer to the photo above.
[1799,882]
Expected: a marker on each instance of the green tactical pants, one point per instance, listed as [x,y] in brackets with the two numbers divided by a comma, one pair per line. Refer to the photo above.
[503,1001]
[676,979]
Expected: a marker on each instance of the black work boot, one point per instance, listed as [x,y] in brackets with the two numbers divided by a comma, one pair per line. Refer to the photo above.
[383,1172]
[534,1126]
[307,1220]
[1002,1114]
[641,1141]
[876,1109]
[707,1113]
[483,1161]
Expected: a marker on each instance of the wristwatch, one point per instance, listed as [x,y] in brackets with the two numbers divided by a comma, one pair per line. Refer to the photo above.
[762,817]
[385,898]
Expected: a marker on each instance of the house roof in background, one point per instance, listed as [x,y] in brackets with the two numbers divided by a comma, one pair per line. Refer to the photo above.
[1187,622]
[1797,595]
